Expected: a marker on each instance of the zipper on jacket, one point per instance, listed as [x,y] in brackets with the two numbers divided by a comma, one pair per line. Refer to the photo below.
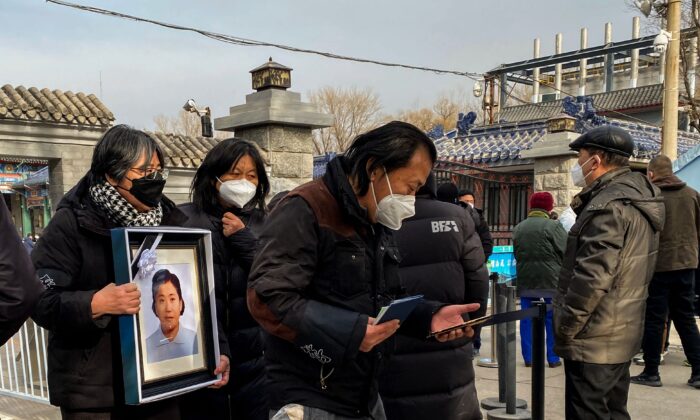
[324,378]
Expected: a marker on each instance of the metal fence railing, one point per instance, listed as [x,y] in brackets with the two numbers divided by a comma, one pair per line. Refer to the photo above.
[23,367]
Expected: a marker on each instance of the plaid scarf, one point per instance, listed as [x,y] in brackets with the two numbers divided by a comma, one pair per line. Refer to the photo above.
[120,211]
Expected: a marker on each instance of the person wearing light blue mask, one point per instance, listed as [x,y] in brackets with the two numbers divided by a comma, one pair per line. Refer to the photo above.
[228,194]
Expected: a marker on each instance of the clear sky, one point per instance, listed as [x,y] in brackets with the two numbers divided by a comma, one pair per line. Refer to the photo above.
[148,70]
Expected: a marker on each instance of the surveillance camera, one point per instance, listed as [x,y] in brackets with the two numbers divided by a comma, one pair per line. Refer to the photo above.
[661,41]
[190,106]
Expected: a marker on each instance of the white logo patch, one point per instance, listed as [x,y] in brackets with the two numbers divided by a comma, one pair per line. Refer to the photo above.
[444,226]
[48,281]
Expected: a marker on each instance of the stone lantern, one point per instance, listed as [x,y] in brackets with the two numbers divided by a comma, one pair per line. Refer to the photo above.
[271,75]
[279,123]
[562,122]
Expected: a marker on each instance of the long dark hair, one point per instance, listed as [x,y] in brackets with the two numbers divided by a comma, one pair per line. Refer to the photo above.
[219,161]
[390,146]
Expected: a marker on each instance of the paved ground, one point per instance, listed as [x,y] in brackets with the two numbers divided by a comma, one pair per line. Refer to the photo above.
[675,400]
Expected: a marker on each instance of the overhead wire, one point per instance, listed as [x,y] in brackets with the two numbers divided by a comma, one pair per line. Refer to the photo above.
[232,39]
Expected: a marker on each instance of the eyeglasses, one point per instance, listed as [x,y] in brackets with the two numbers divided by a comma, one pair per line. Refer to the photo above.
[153,173]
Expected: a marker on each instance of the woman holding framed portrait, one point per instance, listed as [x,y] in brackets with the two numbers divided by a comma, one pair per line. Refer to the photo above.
[73,258]
[228,194]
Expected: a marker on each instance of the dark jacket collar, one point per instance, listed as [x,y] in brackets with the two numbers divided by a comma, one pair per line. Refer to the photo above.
[336,179]
[92,218]
[670,182]
[587,194]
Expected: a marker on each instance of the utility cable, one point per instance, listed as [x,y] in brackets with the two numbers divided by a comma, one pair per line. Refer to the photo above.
[231,39]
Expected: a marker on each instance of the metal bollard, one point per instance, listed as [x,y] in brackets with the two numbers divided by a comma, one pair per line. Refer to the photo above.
[491,361]
[514,407]
[502,304]
[538,351]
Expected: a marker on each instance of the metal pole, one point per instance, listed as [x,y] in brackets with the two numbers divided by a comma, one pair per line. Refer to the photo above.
[538,350]
[492,98]
[504,94]
[502,300]
[670,125]
[557,67]
[583,64]
[634,70]
[491,362]
[609,59]
[510,360]
[536,74]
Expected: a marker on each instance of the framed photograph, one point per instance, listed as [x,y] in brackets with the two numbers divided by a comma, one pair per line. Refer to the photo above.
[171,346]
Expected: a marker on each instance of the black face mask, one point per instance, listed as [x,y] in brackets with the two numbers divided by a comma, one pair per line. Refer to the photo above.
[147,191]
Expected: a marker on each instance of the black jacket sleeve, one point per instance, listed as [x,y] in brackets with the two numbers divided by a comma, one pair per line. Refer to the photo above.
[243,245]
[19,287]
[282,271]
[58,260]
[476,276]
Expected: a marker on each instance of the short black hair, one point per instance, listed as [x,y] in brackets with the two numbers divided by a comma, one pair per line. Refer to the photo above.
[609,159]
[448,193]
[466,192]
[160,278]
[118,151]
[220,159]
[390,146]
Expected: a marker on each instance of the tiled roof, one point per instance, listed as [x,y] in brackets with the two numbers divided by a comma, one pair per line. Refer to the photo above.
[54,106]
[497,143]
[500,145]
[183,151]
[618,100]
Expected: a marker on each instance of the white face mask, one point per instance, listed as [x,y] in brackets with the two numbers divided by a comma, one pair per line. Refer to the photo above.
[394,208]
[577,174]
[237,192]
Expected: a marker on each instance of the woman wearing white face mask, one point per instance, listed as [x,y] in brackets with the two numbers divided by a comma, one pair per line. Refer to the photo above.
[228,194]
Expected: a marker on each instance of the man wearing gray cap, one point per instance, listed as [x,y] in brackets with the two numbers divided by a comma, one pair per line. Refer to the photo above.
[610,257]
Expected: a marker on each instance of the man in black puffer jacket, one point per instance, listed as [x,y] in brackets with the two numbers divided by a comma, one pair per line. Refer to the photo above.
[443,260]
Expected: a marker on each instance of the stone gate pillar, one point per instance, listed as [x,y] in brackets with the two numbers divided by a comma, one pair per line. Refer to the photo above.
[554,160]
[281,125]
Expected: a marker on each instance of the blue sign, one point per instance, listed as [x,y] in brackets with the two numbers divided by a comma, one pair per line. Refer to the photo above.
[502,261]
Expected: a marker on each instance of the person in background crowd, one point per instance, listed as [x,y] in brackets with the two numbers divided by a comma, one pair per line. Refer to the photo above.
[466,200]
[553,215]
[442,260]
[19,287]
[28,243]
[327,262]
[538,243]
[73,258]
[671,291]
[567,218]
[449,193]
[228,198]
[610,257]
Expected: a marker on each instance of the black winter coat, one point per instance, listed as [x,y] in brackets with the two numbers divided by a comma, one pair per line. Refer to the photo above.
[443,260]
[73,258]
[242,335]
[320,271]
[19,287]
